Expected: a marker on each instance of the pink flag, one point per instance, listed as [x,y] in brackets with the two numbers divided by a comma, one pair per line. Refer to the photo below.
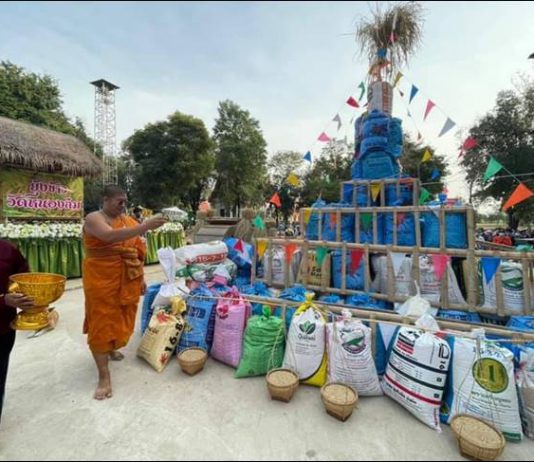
[440,265]
[323,137]
[429,107]
[352,102]
[392,37]
[469,143]
[239,246]
[356,256]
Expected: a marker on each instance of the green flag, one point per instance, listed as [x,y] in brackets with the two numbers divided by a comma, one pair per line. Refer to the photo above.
[425,195]
[366,219]
[258,222]
[320,253]
[494,167]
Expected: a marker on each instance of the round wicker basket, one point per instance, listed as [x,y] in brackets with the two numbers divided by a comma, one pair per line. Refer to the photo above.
[192,360]
[339,400]
[477,439]
[282,384]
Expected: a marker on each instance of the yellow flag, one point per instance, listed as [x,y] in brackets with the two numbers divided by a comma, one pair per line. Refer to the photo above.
[397,78]
[262,246]
[293,180]
[427,156]
[307,214]
[375,190]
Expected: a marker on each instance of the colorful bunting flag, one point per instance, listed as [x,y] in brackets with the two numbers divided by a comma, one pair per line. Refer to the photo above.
[323,137]
[494,167]
[401,93]
[413,92]
[338,120]
[490,266]
[307,215]
[356,256]
[275,200]
[426,156]
[293,180]
[320,253]
[382,52]
[469,143]
[375,191]
[397,78]
[239,246]
[262,246]
[440,265]
[449,123]
[308,157]
[258,222]
[400,218]
[520,194]
[362,86]
[435,174]
[366,220]
[429,106]
[333,220]
[419,136]
[352,102]
[392,37]
[290,250]
[425,195]
[397,259]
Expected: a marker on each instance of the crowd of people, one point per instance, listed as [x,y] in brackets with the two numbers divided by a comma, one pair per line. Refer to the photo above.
[503,236]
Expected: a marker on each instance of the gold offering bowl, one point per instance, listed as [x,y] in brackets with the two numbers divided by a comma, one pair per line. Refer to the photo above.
[44,288]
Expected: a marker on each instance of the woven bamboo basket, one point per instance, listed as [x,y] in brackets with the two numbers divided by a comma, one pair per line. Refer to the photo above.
[192,360]
[339,400]
[477,439]
[282,384]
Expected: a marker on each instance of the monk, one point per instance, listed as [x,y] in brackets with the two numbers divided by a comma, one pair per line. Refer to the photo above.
[112,280]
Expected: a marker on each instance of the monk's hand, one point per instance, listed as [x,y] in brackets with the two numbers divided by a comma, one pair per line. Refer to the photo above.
[18,301]
[154,223]
[143,288]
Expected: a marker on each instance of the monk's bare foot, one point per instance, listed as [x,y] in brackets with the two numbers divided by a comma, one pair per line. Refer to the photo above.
[103,389]
[116,356]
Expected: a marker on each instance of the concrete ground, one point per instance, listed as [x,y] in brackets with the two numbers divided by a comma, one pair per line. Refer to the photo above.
[49,413]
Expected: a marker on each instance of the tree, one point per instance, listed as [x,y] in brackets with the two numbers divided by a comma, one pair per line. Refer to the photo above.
[173,161]
[241,157]
[328,171]
[507,134]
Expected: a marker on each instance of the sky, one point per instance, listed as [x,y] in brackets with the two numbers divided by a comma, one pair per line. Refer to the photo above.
[292,65]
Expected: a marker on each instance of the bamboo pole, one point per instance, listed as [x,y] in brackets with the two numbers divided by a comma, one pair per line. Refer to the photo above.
[338,225]
[344,268]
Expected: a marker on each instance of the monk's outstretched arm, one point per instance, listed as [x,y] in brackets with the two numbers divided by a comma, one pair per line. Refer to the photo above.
[96,225]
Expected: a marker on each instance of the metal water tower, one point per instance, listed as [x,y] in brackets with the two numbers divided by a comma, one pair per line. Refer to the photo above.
[105,129]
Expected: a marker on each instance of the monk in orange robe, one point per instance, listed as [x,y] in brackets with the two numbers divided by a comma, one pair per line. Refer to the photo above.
[112,280]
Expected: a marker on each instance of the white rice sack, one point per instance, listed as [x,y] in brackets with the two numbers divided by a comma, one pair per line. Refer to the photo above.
[208,252]
[416,373]
[483,385]
[525,389]
[403,278]
[350,358]
[431,286]
[512,284]
[170,288]
[278,255]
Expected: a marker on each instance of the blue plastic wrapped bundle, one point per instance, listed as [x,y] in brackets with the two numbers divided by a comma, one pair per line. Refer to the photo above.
[373,144]
[366,301]
[376,124]
[455,230]
[146,311]
[347,224]
[312,228]
[243,260]
[296,293]
[379,164]
[405,229]
[395,139]
[332,298]
[363,199]
[521,323]
[260,289]
[464,316]
[404,197]
[355,280]
[358,129]
[356,170]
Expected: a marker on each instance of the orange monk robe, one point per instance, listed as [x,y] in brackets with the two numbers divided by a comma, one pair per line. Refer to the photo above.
[112,281]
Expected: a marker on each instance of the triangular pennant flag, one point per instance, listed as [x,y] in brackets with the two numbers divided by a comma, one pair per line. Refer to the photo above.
[408,113]
[429,106]
[307,215]
[469,143]
[400,218]
[490,266]
[338,120]
[308,156]
[262,246]
[333,220]
[449,123]
[419,136]
[258,222]
[293,180]
[401,93]
[397,259]
[239,246]
[362,86]
[494,167]
[392,37]
[520,194]
[397,78]
[382,52]
[413,92]
[375,191]
[352,102]
[290,250]
[425,195]
[275,200]
[440,265]
[426,156]
[435,174]
[323,137]
[366,220]
[320,254]
[355,259]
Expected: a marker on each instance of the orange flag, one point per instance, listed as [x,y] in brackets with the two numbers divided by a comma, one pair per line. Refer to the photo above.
[520,194]
[290,250]
[275,200]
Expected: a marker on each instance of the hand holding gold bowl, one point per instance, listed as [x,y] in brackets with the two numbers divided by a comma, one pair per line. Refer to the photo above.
[43,289]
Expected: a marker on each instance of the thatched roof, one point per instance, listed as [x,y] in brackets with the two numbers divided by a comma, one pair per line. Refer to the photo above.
[27,146]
